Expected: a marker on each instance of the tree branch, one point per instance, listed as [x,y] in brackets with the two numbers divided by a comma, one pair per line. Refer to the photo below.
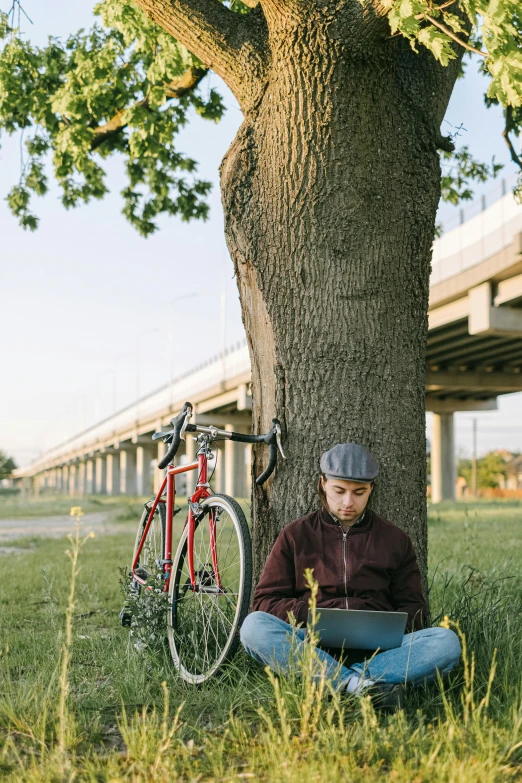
[231,44]
[452,35]
[445,143]
[509,126]
[175,89]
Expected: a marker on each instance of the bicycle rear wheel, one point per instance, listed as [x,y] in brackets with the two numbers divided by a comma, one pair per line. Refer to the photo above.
[154,545]
[203,624]
[152,551]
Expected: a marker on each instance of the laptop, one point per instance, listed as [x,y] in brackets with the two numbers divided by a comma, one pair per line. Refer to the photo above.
[360,629]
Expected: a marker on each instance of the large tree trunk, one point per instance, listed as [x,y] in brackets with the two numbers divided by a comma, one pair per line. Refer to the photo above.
[330,191]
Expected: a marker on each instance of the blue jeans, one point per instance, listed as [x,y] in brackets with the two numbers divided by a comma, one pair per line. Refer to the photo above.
[422,654]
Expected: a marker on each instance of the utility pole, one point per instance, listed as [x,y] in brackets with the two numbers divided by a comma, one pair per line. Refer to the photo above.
[223,320]
[474,460]
[223,330]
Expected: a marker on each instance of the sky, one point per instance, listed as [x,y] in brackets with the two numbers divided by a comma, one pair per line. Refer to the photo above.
[88,306]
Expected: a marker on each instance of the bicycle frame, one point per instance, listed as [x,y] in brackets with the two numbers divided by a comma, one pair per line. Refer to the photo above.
[200,493]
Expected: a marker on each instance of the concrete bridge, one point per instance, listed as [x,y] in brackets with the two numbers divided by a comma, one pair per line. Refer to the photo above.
[474,354]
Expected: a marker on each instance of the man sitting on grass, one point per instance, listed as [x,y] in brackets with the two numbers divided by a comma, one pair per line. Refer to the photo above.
[360,561]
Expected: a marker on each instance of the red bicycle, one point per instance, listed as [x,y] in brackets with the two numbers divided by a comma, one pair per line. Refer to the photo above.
[209,579]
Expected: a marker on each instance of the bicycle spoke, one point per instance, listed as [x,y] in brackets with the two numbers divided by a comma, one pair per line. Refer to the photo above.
[223,615]
[152,546]
[204,623]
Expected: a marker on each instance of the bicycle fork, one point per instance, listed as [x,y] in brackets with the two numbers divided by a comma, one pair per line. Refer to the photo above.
[201,491]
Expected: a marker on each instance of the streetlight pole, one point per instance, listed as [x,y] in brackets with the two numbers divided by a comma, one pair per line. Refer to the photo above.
[138,342]
[474,461]
[112,372]
[176,299]
[223,332]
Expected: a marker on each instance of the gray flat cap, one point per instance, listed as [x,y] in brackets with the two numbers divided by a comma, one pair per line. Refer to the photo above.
[350,462]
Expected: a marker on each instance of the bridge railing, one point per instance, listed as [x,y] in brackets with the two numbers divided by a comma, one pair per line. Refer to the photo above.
[208,375]
[484,227]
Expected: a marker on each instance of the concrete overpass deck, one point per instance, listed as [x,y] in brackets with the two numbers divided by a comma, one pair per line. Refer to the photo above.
[474,348]
[474,354]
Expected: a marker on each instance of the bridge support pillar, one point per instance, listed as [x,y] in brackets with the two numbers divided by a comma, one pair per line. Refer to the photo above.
[235,472]
[81,478]
[190,456]
[113,474]
[72,480]
[128,471]
[100,476]
[27,487]
[59,479]
[65,479]
[144,456]
[442,458]
[89,477]
[219,473]
[158,474]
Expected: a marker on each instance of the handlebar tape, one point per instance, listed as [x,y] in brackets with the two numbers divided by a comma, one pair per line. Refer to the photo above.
[176,437]
[240,437]
[271,440]
[272,461]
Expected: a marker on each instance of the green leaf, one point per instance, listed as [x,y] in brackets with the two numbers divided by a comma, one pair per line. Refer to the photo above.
[438,43]
[492,25]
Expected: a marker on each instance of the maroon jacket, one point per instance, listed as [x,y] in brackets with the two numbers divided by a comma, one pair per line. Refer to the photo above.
[372,566]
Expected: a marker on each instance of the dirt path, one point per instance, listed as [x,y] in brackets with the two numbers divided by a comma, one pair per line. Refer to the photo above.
[56,527]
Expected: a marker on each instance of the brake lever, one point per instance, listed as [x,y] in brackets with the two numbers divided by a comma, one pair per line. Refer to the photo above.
[164,436]
[186,422]
[277,428]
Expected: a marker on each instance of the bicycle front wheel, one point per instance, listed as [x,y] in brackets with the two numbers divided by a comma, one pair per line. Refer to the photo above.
[203,623]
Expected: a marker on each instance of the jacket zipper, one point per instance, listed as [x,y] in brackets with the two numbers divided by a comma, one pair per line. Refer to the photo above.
[345,539]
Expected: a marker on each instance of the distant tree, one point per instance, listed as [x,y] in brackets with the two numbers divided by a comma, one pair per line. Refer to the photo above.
[7,465]
[489,469]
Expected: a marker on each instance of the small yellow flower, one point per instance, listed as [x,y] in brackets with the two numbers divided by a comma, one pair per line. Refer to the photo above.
[446,622]
[92,534]
[76,511]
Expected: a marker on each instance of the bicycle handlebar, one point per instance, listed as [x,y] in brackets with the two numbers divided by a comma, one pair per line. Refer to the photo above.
[272,462]
[271,438]
[174,436]
[181,424]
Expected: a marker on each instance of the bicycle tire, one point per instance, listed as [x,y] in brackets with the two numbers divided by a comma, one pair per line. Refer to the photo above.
[198,648]
[156,549]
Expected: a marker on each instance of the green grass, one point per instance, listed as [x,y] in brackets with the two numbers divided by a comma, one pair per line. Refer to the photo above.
[120,507]
[242,726]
